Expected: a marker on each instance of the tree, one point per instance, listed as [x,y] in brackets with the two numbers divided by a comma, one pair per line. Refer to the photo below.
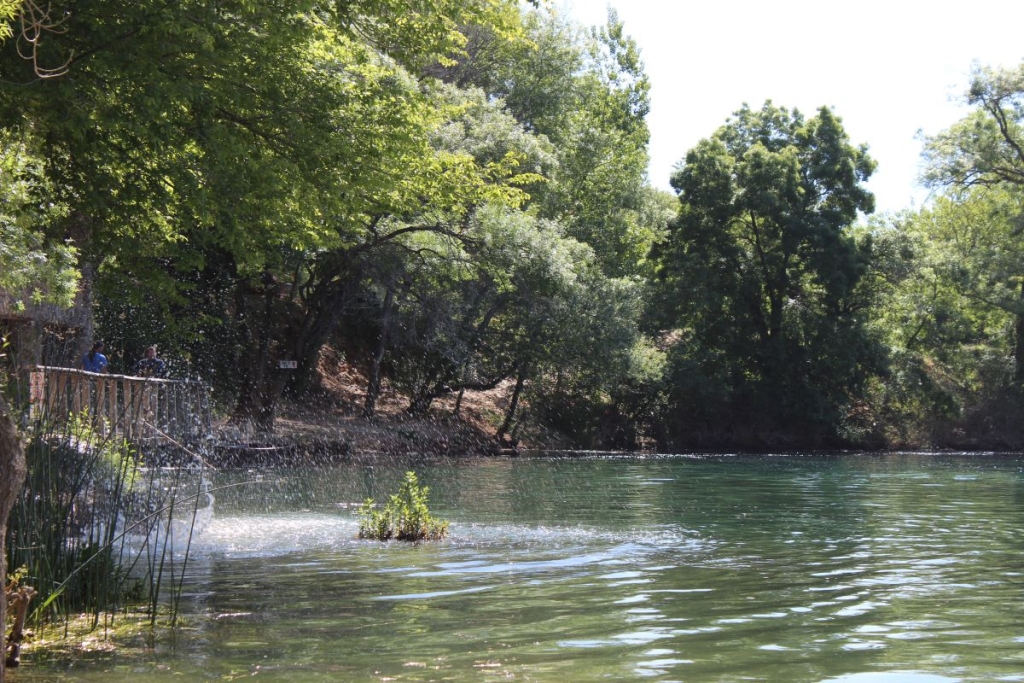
[470,153]
[586,92]
[450,292]
[235,143]
[987,146]
[760,275]
[986,149]
[32,267]
[601,188]
[589,355]
[12,476]
[949,310]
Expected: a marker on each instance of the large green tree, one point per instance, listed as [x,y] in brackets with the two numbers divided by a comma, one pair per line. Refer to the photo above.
[587,93]
[986,149]
[760,276]
[987,146]
[506,295]
[949,309]
[233,144]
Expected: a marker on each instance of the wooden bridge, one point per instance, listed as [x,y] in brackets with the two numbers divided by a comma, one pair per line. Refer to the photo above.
[137,409]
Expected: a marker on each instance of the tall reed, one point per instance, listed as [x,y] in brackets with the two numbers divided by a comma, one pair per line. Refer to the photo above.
[96,526]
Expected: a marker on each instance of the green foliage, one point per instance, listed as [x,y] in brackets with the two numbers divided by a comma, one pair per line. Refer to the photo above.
[949,308]
[984,147]
[503,291]
[559,285]
[8,12]
[586,93]
[34,268]
[204,153]
[404,517]
[243,127]
[981,229]
[759,278]
[236,175]
[62,528]
[955,305]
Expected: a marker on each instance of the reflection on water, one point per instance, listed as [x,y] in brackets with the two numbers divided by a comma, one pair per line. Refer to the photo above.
[847,569]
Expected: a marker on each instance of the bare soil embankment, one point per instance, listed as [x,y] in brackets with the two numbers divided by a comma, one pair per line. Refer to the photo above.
[330,426]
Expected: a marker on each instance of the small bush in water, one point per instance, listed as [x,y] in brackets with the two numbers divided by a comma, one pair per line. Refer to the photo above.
[405,516]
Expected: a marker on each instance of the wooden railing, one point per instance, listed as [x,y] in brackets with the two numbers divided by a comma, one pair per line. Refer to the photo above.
[133,408]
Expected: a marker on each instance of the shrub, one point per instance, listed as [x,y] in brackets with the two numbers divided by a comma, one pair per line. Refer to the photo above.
[405,516]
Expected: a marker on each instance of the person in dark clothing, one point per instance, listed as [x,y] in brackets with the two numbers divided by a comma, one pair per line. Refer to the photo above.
[150,365]
[95,361]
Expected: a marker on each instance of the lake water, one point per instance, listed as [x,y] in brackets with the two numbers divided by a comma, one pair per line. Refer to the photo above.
[848,569]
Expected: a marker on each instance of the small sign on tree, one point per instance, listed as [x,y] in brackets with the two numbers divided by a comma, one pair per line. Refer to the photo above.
[287,364]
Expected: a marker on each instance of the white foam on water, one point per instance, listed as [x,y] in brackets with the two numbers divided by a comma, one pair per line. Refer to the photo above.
[273,535]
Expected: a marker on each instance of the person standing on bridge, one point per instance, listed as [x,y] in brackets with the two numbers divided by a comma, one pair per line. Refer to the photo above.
[150,365]
[94,360]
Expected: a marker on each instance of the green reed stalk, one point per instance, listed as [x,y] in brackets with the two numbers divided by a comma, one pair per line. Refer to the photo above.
[84,494]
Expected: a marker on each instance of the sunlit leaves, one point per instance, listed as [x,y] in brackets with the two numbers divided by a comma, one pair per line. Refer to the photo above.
[8,12]
[984,148]
[586,93]
[33,267]
[952,304]
[949,307]
[968,268]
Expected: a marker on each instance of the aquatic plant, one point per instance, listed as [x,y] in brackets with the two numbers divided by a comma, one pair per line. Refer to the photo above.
[404,517]
[93,524]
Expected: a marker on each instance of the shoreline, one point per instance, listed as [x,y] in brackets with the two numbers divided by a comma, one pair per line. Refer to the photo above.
[323,438]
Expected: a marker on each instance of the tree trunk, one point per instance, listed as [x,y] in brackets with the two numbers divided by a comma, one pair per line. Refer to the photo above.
[12,477]
[255,407]
[444,378]
[1018,346]
[273,387]
[84,304]
[79,231]
[513,405]
[373,386]
[249,375]
[264,384]
[458,402]
[421,401]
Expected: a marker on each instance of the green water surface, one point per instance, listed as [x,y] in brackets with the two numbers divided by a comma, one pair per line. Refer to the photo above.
[848,568]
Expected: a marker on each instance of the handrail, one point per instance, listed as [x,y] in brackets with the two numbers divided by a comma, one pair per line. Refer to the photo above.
[134,408]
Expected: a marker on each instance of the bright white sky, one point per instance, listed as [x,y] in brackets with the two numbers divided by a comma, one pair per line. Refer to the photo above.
[888,68]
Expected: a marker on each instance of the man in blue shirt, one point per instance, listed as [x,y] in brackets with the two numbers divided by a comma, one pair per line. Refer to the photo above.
[95,361]
[150,365]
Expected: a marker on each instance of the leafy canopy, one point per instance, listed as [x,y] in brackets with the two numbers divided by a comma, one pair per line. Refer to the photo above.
[759,273]
[33,267]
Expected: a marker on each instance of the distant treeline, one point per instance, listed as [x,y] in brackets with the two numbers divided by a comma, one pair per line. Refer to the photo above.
[454,195]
